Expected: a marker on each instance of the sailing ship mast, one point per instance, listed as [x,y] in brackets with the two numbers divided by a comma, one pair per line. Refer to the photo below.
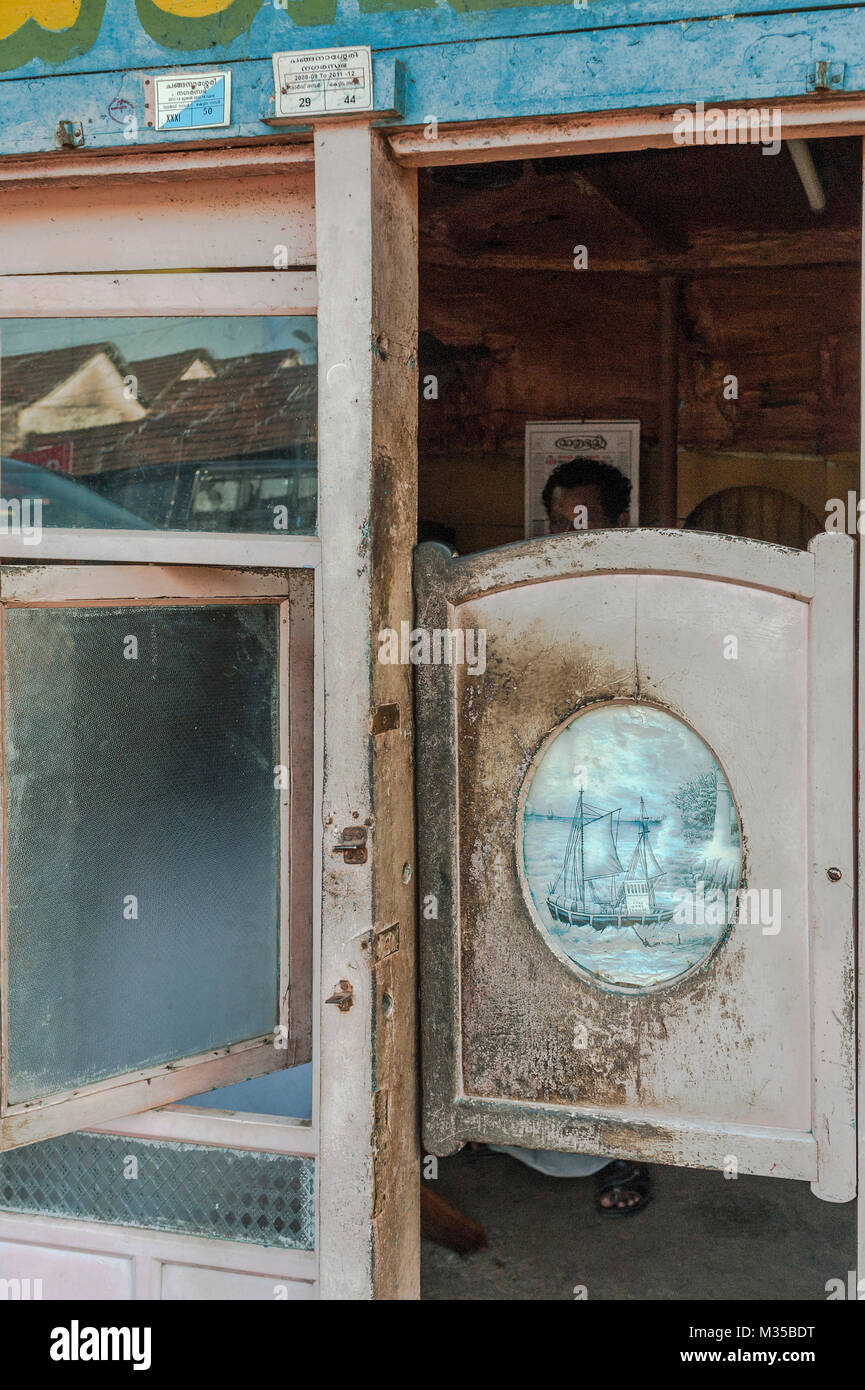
[638,887]
[593,888]
[586,863]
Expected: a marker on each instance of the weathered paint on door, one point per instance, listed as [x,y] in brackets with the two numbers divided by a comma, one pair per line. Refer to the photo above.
[521,1048]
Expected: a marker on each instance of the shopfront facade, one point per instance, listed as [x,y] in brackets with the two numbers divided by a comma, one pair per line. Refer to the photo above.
[210,322]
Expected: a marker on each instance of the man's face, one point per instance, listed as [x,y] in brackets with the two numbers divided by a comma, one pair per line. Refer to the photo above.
[579,509]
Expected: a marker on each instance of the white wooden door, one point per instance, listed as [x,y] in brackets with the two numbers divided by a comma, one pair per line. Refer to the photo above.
[636,850]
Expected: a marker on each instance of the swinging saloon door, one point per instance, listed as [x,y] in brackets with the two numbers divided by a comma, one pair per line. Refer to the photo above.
[636,850]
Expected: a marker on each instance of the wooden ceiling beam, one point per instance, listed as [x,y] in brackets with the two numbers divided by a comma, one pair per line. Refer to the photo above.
[710,252]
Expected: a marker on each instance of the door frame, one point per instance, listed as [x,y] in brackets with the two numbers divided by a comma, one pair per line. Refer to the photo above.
[358,1134]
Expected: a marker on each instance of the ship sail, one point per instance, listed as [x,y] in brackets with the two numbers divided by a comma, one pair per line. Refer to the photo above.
[638,888]
[655,870]
[590,858]
[600,857]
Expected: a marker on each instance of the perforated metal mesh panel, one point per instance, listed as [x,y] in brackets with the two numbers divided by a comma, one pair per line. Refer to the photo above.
[193,1189]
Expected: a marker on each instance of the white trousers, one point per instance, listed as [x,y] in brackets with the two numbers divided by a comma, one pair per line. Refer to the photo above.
[555,1165]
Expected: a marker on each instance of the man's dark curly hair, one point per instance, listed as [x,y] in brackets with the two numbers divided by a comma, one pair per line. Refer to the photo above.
[614,487]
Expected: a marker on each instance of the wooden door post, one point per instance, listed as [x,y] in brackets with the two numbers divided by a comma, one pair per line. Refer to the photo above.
[666,504]
[859,1279]
[366,233]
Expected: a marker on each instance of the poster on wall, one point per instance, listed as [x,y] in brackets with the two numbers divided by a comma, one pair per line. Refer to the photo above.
[551,442]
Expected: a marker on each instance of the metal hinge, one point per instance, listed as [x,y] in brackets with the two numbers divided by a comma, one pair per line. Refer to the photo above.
[825,77]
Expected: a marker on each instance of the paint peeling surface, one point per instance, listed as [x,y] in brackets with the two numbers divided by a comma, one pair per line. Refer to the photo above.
[522,1044]
[461,61]
[579,644]
[96,35]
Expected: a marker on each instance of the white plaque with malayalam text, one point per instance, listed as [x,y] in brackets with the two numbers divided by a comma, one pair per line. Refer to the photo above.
[323,82]
[181,101]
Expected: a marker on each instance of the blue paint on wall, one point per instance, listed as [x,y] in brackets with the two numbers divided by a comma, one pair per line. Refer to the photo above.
[747,59]
[123,43]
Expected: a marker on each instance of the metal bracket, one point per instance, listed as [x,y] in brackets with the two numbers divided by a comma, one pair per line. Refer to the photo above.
[381,943]
[352,844]
[70,135]
[824,76]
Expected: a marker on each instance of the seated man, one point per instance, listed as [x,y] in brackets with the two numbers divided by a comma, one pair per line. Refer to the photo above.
[586,494]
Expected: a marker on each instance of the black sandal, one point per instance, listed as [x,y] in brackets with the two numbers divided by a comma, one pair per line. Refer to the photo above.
[623,1176]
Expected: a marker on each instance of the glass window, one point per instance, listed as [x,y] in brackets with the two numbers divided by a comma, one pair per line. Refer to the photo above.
[287,1092]
[180,424]
[142,826]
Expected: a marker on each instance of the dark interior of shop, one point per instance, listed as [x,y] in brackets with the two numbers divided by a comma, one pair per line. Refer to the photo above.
[764,289]
[719,306]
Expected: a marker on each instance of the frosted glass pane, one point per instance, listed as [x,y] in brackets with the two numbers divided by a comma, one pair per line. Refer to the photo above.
[143,836]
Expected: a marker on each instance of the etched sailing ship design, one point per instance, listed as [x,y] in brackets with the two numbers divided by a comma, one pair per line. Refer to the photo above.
[630,846]
[593,888]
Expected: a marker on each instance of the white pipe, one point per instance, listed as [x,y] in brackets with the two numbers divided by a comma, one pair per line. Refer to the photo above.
[800,153]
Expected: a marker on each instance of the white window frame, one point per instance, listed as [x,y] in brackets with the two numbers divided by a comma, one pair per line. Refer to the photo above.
[162,294]
[150,1087]
[168,291]
[168,294]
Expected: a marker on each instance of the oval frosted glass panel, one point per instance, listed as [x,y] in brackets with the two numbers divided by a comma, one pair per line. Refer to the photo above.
[630,845]
[142,837]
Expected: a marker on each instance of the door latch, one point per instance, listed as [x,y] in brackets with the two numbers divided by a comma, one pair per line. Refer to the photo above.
[352,845]
[342,997]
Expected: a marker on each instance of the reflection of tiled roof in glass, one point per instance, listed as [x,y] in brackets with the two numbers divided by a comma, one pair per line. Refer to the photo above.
[254,406]
[30,376]
[153,374]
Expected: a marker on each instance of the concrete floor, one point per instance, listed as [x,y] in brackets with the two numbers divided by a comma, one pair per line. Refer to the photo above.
[701,1237]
